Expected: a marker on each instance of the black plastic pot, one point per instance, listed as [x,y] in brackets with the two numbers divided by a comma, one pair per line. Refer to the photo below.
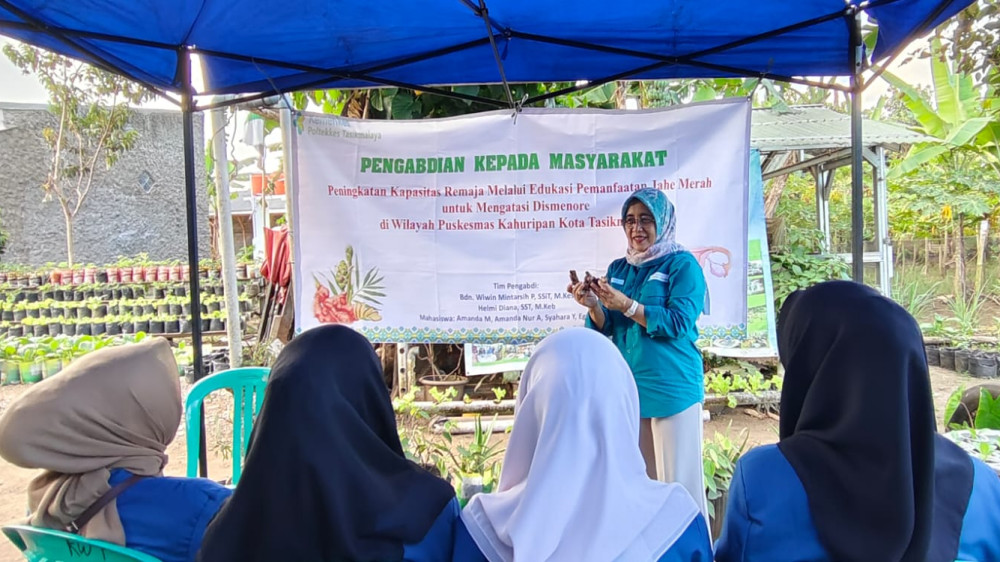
[84,312]
[31,296]
[983,366]
[116,294]
[128,327]
[44,313]
[98,328]
[84,330]
[34,313]
[69,329]
[127,292]
[158,293]
[186,309]
[214,306]
[206,324]
[184,327]
[20,315]
[90,293]
[163,309]
[7,315]
[100,311]
[101,277]
[78,296]
[148,309]
[176,310]
[933,355]
[39,330]
[948,358]
[172,326]
[156,326]
[106,295]
[48,295]
[142,326]
[962,360]
[216,325]
[180,291]
[113,328]
[55,329]
[16,331]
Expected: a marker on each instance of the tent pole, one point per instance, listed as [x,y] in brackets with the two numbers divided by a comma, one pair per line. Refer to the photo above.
[857,176]
[190,201]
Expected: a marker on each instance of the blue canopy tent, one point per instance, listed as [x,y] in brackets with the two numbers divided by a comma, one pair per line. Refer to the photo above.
[260,48]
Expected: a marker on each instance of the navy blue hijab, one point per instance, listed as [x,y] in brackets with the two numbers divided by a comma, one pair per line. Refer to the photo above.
[325,477]
[857,425]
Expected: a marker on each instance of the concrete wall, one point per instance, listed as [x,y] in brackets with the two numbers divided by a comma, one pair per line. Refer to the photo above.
[118,216]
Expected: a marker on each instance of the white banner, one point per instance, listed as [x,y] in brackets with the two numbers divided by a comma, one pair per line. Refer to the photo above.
[465,229]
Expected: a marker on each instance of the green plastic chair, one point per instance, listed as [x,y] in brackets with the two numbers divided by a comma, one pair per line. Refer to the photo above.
[247,384]
[48,545]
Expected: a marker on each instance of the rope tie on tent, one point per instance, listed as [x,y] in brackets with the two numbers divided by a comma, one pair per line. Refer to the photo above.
[519,107]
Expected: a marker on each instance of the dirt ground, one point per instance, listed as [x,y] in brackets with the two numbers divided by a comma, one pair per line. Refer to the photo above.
[13,480]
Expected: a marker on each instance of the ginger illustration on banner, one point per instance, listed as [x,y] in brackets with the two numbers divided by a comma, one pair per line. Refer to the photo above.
[344,297]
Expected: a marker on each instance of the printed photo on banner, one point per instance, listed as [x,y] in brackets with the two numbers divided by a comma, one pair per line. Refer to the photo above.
[464,230]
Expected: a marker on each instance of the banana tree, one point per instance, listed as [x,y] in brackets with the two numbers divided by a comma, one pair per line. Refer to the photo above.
[956,174]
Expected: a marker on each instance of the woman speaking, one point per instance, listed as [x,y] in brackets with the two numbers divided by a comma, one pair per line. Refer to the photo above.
[648,305]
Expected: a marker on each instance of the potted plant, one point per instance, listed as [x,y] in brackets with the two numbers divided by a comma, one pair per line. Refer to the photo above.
[156,325]
[69,326]
[477,463]
[171,325]
[947,357]
[84,327]
[32,364]
[216,323]
[176,305]
[442,382]
[10,367]
[203,267]
[126,269]
[53,361]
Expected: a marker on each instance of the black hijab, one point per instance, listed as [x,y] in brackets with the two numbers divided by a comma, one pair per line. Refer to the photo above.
[857,421]
[325,478]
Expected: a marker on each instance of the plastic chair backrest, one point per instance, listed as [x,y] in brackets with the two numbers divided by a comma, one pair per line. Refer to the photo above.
[247,384]
[48,545]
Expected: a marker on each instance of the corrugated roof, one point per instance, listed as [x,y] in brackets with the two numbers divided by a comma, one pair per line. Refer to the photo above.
[816,127]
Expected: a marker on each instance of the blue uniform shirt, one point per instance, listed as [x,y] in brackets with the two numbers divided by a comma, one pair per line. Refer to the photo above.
[166,517]
[664,359]
[768,519]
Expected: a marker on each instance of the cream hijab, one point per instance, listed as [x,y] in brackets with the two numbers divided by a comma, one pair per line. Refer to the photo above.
[114,408]
[574,484]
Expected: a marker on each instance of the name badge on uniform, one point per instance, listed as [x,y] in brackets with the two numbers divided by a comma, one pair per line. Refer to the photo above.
[617,281]
[659,276]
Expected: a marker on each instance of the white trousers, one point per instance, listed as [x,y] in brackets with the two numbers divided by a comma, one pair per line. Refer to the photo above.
[672,450]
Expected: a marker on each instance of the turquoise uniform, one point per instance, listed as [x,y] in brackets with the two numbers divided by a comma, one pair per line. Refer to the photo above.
[664,359]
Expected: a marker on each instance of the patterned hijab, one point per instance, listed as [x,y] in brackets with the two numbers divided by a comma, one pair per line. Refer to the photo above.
[666,226]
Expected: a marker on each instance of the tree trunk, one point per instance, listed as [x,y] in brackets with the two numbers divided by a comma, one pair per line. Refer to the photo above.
[69,237]
[773,196]
[981,243]
[927,254]
[943,255]
[961,285]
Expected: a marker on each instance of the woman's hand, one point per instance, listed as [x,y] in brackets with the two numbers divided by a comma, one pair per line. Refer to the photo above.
[611,298]
[583,296]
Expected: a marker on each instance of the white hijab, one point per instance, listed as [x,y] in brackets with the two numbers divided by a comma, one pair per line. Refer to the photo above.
[574,484]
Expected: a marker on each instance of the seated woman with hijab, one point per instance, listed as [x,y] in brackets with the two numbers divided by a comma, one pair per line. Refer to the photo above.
[325,478]
[574,483]
[860,472]
[103,423]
